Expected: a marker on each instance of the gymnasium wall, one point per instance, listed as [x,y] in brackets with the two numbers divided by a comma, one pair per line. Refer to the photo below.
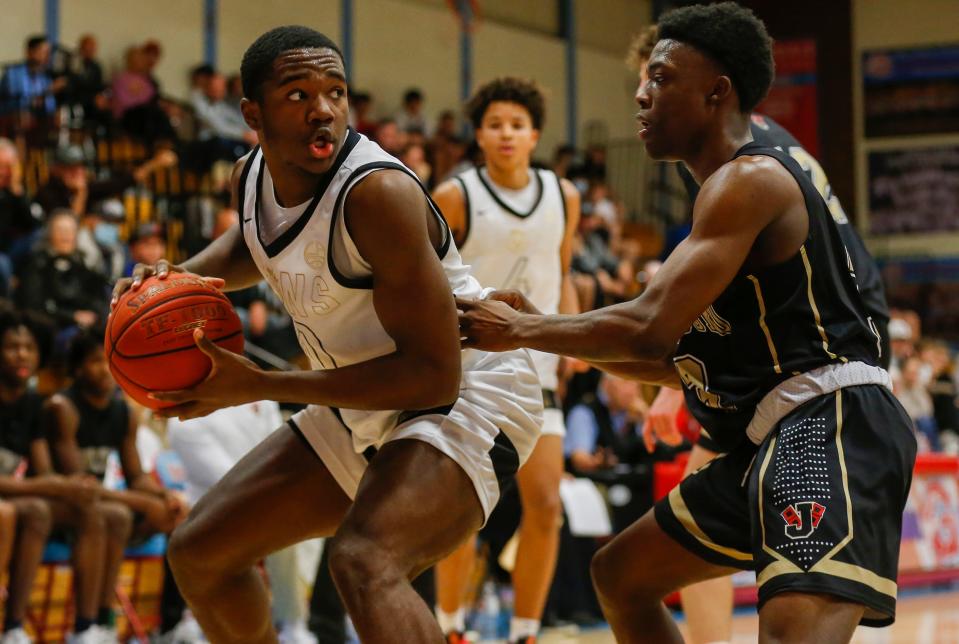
[21,19]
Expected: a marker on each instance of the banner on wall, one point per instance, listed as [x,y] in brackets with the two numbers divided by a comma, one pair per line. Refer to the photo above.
[914,190]
[911,91]
[930,524]
[792,100]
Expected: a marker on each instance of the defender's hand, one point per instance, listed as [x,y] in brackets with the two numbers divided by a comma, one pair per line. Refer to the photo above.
[233,380]
[487,325]
[517,300]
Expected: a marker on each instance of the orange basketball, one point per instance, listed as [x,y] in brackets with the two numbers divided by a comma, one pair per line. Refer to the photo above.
[149,339]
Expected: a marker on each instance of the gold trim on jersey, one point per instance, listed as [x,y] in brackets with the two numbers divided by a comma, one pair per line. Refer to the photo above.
[762,323]
[686,519]
[826,565]
[812,304]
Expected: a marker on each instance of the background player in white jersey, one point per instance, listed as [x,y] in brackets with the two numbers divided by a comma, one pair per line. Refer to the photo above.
[366,267]
[514,226]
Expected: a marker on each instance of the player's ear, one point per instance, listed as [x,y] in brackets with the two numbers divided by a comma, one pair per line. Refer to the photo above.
[251,113]
[721,89]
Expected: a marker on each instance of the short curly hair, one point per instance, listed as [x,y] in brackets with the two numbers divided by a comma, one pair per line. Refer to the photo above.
[510,89]
[734,37]
[257,64]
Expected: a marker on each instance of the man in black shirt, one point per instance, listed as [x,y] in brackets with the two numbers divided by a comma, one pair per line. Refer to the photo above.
[88,421]
[42,499]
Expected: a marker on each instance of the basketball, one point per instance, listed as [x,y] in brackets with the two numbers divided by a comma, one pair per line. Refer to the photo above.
[149,336]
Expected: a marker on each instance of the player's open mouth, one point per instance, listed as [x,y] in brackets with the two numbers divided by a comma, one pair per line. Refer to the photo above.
[643,128]
[321,147]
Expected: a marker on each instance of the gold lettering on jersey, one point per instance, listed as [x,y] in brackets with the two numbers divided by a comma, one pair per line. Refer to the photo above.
[315,255]
[712,322]
[693,374]
[298,301]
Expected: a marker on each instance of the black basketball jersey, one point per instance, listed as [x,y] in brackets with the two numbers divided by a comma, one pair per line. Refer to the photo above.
[767,133]
[21,423]
[775,322]
[100,430]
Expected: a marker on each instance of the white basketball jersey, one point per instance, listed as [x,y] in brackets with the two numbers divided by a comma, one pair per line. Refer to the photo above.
[509,249]
[324,282]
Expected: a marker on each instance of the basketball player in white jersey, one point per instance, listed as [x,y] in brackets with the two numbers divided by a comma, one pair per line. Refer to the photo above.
[407,440]
[514,226]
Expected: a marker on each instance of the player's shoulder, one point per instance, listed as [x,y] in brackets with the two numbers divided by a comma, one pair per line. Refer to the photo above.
[569,190]
[747,186]
[449,190]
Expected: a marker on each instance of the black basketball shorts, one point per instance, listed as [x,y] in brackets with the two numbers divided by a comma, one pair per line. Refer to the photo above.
[816,508]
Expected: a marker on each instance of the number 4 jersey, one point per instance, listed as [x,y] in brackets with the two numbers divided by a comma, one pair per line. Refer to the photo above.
[510,244]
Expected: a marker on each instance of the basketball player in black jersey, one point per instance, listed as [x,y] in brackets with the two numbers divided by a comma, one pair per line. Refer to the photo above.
[757,316]
[86,422]
[708,605]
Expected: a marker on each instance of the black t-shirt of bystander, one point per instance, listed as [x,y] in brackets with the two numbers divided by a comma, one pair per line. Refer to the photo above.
[20,424]
[100,431]
[60,285]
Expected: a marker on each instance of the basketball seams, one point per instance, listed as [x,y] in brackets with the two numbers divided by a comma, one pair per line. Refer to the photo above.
[176,295]
[228,336]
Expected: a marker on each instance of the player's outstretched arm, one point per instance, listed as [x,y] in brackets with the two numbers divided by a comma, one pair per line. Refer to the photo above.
[389,221]
[227,260]
[735,205]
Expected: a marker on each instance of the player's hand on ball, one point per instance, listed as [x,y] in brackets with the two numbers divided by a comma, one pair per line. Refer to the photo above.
[661,419]
[487,324]
[233,380]
[517,300]
[142,271]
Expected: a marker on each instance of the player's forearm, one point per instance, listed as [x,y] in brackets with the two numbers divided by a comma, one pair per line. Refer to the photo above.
[226,257]
[392,381]
[611,334]
[661,372]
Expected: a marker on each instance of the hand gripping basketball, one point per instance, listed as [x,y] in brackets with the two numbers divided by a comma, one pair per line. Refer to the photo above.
[142,271]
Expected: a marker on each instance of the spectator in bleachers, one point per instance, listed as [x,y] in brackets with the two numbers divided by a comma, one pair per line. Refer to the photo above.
[98,239]
[563,160]
[199,77]
[70,186]
[136,99]
[942,388]
[87,422]
[361,117]
[86,85]
[413,157]
[17,220]
[147,246]
[223,134]
[27,89]
[44,500]
[410,118]
[234,90]
[606,428]
[915,398]
[390,137]
[54,281]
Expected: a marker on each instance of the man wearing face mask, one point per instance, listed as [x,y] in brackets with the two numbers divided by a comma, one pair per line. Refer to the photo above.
[98,239]
[55,282]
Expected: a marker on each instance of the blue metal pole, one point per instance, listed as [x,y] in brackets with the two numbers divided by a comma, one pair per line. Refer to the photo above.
[210,15]
[569,24]
[346,36]
[465,10]
[52,20]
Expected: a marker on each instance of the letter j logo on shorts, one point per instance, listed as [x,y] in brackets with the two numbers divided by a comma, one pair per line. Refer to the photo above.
[802,518]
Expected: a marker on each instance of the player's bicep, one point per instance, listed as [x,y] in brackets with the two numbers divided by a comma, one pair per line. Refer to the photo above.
[411,294]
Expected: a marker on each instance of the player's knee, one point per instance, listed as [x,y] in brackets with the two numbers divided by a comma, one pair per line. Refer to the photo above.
[184,554]
[544,508]
[118,519]
[8,518]
[359,560]
[34,517]
[614,582]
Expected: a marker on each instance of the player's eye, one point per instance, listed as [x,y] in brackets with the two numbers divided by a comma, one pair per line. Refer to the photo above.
[339,92]
[297,95]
